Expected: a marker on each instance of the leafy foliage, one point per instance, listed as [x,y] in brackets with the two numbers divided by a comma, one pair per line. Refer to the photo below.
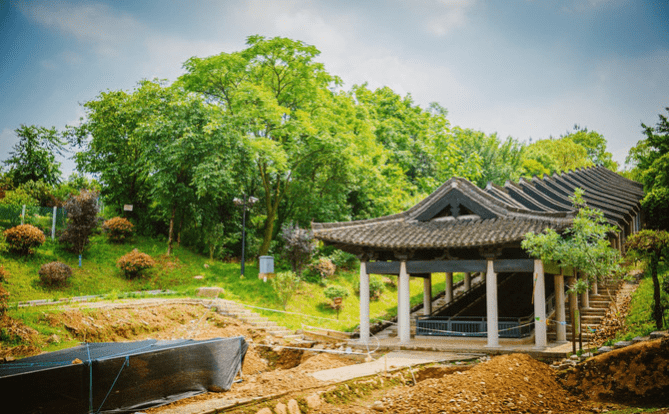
[82,219]
[583,246]
[133,263]
[650,159]
[285,285]
[298,246]
[23,239]
[335,291]
[376,287]
[653,247]
[118,229]
[55,274]
[324,267]
[34,157]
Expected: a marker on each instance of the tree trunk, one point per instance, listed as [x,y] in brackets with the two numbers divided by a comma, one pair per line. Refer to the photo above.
[267,233]
[170,237]
[657,306]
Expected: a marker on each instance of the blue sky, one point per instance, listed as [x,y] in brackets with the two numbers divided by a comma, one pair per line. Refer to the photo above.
[525,68]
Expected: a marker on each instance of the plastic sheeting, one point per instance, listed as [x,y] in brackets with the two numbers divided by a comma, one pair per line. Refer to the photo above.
[120,377]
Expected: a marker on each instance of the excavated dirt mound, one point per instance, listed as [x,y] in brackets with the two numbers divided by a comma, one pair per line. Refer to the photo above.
[638,373]
[507,383]
[15,332]
[324,361]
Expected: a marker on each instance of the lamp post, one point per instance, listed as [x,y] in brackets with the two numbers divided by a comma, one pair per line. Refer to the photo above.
[243,203]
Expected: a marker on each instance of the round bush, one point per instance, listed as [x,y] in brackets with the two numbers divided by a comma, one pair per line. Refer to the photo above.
[55,273]
[118,229]
[335,291]
[4,298]
[23,239]
[324,267]
[133,263]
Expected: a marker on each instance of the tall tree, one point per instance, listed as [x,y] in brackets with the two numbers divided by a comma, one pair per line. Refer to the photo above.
[595,146]
[653,247]
[650,161]
[275,95]
[34,157]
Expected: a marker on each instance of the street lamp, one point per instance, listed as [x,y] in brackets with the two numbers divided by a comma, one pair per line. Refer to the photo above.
[244,203]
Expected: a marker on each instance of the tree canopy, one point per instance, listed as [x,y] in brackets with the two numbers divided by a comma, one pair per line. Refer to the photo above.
[650,161]
[33,158]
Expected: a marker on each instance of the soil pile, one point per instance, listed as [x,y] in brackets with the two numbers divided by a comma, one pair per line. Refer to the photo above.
[14,332]
[324,361]
[637,373]
[507,383]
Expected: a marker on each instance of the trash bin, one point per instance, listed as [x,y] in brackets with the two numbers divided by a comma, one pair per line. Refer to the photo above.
[266,267]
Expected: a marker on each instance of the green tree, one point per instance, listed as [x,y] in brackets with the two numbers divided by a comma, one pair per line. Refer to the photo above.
[279,98]
[584,246]
[650,161]
[285,285]
[653,247]
[557,155]
[34,157]
[595,146]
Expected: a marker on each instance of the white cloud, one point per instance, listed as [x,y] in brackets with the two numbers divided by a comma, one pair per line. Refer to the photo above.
[448,15]
[95,23]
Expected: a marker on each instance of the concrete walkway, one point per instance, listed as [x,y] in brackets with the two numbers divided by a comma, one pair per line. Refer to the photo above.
[391,361]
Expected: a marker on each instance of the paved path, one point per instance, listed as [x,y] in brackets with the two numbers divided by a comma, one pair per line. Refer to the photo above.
[391,361]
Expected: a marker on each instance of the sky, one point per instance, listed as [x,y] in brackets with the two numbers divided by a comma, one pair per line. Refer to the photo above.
[529,69]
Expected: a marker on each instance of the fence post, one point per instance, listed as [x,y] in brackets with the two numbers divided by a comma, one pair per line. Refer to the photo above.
[23,213]
[53,224]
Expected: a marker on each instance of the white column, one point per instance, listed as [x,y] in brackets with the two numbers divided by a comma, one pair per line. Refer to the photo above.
[448,289]
[364,303]
[585,298]
[427,295]
[560,314]
[539,305]
[491,306]
[404,307]
[573,304]
[468,281]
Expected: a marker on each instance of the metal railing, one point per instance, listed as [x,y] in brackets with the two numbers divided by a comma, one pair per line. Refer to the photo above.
[477,326]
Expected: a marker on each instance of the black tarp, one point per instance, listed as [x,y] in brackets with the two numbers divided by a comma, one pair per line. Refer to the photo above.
[119,377]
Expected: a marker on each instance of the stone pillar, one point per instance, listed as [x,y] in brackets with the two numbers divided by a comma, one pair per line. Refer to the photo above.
[560,314]
[573,304]
[427,295]
[585,296]
[448,289]
[491,306]
[364,303]
[468,281]
[540,340]
[404,306]
[594,289]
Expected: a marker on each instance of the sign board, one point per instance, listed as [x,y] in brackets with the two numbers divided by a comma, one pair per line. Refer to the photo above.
[127,207]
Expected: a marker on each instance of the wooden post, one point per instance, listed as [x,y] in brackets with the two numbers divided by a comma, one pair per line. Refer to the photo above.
[448,289]
[468,281]
[561,328]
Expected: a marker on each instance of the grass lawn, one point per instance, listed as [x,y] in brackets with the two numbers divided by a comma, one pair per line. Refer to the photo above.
[99,275]
[639,321]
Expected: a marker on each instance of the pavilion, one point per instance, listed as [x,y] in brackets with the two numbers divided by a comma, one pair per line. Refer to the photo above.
[462,228]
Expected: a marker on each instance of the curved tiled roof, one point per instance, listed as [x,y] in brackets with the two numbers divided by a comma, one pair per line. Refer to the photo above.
[501,215]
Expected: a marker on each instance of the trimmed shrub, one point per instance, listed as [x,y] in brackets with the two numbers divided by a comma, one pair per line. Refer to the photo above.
[23,239]
[3,273]
[118,229]
[334,291]
[55,273]
[82,211]
[133,263]
[324,267]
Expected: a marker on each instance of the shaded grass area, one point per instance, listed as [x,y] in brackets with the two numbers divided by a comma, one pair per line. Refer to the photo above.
[639,320]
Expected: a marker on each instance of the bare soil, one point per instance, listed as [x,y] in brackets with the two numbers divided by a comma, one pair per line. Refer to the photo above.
[508,383]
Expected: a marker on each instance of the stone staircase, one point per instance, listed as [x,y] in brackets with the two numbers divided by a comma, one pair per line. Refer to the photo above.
[592,316]
[237,311]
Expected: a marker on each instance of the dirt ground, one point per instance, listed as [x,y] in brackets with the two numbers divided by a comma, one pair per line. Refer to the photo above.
[508,383]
